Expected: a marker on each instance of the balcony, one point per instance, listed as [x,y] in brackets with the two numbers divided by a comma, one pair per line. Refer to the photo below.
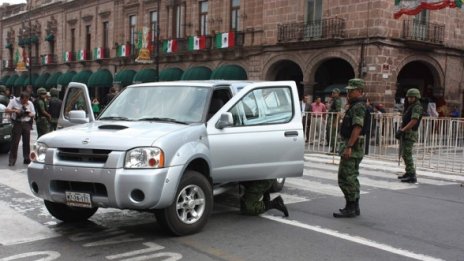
[330,28]
[414,30]
[48,59]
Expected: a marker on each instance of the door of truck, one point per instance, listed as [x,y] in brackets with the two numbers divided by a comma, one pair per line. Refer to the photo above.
[76,107]
[264,140]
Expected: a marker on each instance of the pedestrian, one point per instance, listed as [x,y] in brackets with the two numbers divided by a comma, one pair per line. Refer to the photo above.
[95,106]
[408,135]
[332,121]
[256,198]
[317,116]
[305,112]
[4,99]
[352,149]
[22,111]
[43,118]
[54,108]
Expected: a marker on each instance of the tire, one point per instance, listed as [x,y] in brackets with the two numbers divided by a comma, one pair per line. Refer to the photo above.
[194,196]
[5,147]
[69,214]
[278,185]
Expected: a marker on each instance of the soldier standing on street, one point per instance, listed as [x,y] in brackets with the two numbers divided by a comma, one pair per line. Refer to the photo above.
[43,117]
[352,149]
[54,107]
[408,135]
[334,109]
[251,203]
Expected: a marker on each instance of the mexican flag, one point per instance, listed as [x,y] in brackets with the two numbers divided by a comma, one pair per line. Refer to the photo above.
[170,46]
[196,43]
[46,59]
[98,53]
[123,50]
[82,55]
[413,7]
[225,40]
[67,56]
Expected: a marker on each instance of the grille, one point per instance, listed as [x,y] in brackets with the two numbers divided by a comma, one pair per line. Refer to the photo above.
[95,189]
[83,155]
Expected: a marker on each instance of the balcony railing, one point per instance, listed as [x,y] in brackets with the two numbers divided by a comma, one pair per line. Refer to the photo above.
[426,32]
[329,28]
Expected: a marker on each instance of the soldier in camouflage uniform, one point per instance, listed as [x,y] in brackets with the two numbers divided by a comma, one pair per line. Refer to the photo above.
[408,135]
[43,117]
[352,149]
[251,203]
[335,107]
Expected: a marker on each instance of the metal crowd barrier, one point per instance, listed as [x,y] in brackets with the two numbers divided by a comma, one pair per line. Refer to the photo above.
[440,143]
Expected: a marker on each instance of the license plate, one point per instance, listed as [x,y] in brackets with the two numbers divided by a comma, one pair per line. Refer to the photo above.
[77,199]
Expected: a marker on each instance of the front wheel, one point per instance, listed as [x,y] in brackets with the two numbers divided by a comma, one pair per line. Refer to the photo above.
[69,214]
[191,208]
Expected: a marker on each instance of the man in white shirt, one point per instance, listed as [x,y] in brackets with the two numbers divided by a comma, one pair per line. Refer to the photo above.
[22,111]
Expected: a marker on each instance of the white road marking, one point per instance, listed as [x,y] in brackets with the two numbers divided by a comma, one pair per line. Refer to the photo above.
[354,239]
[314,186]
[16,228]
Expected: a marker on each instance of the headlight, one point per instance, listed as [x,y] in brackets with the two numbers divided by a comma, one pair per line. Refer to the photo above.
[146,157]
[39,151]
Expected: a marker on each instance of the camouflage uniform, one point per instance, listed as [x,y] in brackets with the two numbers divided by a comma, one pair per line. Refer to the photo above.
[348,170]
[251,203]
[332,122]
[41,106]
[408,138]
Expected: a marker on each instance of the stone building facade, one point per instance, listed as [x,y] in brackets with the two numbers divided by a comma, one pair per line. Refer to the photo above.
[318,43]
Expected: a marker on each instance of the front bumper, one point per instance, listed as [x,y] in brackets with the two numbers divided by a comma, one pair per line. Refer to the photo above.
[109,187]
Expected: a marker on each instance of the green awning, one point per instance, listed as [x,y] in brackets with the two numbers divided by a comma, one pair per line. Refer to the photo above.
[32,81]
[101,78]
[145,75]
[9,46]
[34,39]
[82,76]
[66,78]
[330,88]
[171,74]
[40,82]
[52,81]
[4,79]
[19,82]
[229,72]
[197,73]
[124,77]
[11,81]
[50,37]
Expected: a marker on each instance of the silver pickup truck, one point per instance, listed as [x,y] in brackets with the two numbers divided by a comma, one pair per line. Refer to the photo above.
[167,147]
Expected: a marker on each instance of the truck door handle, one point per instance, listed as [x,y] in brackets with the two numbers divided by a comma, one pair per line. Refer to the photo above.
[291,133]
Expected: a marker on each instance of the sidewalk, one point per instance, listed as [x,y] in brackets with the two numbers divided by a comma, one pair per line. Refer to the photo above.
[383,166]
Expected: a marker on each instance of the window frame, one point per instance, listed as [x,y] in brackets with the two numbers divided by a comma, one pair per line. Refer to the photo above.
[234,15]
[203,17]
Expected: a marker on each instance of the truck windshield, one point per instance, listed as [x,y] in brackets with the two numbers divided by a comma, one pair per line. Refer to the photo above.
[181,104]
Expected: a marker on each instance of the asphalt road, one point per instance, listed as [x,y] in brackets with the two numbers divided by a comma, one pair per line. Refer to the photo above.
[398,222]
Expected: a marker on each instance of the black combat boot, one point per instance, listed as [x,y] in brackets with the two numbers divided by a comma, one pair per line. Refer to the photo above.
[348,212]
[403,176]
[346,205]
[411,178]
[267,196]
[277,203]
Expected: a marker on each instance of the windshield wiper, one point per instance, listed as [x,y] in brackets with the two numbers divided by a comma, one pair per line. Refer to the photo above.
[162,119]
[116,118]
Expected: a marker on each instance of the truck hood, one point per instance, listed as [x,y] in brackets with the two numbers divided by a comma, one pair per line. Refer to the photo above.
[110,135]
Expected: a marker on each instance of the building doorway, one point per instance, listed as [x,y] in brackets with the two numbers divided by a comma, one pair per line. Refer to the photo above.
[287,70]
[332,73]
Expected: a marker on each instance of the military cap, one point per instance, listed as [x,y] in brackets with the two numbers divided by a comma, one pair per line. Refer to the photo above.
[355,83]
[413,93]
[41,91]
[54,92]
[336,90]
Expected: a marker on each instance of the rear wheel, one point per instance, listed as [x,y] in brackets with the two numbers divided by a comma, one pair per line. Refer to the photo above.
[278,185]
[5,147]
[191,208]
[69,214]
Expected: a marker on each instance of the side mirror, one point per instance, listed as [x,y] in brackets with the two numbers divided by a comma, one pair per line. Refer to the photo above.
[225,120]
[78,116]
